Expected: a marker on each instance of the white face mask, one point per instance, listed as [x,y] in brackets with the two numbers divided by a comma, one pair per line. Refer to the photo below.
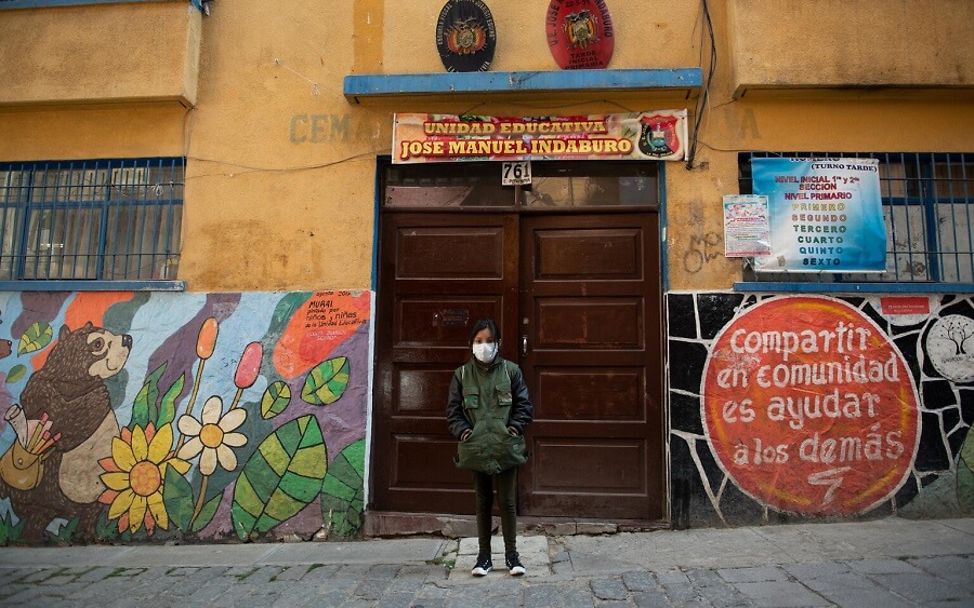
[485,352]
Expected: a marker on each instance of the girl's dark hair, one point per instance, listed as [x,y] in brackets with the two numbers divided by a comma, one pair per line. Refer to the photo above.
[481,325]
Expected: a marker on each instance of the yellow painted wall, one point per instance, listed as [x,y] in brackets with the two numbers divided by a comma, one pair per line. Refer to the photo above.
[281,167]
[281,172]
[99,53]
[647,34]
[805,43]
[91,131]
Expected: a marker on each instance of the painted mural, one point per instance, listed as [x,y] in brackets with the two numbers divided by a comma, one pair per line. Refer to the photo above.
[797,407]
[131,416]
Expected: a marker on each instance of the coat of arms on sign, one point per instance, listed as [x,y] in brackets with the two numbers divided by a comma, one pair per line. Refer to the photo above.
[465,36]
[579,33]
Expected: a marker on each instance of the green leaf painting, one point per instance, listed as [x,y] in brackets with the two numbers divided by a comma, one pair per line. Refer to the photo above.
[66,532]
[207,512]
[16,373]
[275,400]
[35,338]
[967,450]
[9,532]
[282,476]
[177,495]
[327,382]
[145,408]
[106,529]
[167,408]
[342,493]
[965,474]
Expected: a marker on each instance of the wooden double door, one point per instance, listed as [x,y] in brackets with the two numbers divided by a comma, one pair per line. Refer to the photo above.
[577,298]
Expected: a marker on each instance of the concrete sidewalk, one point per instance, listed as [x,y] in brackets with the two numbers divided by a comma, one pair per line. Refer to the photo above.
[889,563]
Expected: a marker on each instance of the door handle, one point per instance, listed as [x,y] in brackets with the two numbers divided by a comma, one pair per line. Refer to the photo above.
[524,345]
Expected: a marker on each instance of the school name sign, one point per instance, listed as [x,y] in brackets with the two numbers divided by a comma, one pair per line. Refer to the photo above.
[430,138]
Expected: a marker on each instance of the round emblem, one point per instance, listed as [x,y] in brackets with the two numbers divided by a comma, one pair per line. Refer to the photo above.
[579,33]
[810,408]
[465,36]
[950,347]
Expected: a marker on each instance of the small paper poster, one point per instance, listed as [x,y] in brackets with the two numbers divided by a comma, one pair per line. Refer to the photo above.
[747,228]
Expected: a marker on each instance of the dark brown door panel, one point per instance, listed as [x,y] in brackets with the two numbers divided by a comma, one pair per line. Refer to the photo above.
[589,323]
[589,254]
[590,393]
[449,252]
[420,391]
[441,321]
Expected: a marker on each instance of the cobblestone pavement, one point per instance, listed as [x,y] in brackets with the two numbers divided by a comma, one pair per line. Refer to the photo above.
[565,572]
[937,581]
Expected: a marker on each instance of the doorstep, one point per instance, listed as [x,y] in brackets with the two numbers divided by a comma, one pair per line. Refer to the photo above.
[384,524]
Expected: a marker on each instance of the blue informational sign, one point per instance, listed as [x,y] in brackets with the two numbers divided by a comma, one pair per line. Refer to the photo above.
[826,214]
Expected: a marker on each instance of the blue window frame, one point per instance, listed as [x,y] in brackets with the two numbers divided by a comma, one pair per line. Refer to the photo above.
[927,200]
[108,220]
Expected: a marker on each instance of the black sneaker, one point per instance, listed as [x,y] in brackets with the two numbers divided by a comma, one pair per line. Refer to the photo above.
[513,563]
[483,565]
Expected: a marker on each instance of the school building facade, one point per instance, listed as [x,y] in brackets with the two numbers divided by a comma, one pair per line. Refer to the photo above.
[230,309]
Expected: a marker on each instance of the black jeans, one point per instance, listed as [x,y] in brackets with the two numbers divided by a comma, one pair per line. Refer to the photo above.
[483,485]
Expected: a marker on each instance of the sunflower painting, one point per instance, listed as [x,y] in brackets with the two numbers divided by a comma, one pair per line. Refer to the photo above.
[134,477]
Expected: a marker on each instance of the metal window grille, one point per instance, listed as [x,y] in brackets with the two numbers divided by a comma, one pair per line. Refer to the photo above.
[91,219]
[927,199]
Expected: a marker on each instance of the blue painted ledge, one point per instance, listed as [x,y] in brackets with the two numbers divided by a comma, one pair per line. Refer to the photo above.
[884,288]
[381,85]
[92,286]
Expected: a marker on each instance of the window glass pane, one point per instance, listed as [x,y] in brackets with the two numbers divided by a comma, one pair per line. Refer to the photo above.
[906,260]
[53,184]
[446,185]
[10,222]
[557,185]
[554,185]
[954,179]
[957,260]
[892,179]
[13,186]
[61,245]
[589,191]
[121,241]
[138,245]
[13,194]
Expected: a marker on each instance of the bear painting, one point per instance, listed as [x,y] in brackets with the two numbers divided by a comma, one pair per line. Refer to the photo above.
[70,393]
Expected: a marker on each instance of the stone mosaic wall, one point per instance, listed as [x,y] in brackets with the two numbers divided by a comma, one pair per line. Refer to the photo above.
[788,408]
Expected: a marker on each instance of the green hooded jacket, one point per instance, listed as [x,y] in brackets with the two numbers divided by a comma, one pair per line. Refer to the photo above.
[487,400]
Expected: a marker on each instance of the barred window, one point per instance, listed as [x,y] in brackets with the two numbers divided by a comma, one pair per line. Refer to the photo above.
[927,199]
[91,220]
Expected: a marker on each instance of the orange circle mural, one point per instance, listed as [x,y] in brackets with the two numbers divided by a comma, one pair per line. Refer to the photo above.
[809,407]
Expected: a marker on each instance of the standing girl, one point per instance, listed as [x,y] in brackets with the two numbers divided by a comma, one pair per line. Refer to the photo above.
[488,411]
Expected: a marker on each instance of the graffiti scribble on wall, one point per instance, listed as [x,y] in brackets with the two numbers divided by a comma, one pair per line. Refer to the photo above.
[240,412]
[796,406]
